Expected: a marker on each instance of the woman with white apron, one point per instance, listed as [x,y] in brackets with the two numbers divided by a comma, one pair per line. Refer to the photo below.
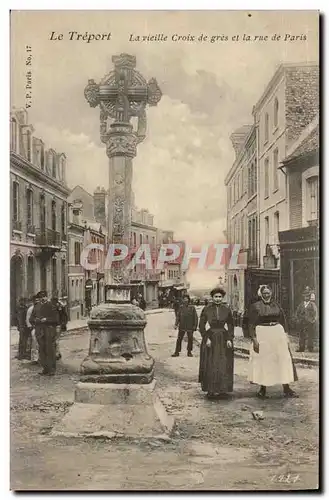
[270,360]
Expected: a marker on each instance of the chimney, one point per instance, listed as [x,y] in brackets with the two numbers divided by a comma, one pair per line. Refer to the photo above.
[77,212]
[99,205]
[239,136]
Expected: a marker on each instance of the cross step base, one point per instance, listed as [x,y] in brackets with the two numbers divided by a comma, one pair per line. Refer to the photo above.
[116,411]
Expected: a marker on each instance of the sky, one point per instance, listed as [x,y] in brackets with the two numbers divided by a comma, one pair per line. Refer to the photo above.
[209,90]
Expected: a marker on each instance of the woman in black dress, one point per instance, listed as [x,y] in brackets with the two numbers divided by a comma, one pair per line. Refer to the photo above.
[216,351]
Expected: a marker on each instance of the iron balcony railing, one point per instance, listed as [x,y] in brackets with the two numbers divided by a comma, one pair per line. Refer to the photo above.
[48,238]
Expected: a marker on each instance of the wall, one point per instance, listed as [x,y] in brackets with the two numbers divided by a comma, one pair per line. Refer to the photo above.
[302,99]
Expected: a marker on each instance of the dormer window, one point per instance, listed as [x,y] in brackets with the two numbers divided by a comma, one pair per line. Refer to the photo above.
[29,145]
[276,112]
[267,125]
[42,157]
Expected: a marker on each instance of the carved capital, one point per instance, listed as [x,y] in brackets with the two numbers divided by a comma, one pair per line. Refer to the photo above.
[121,145]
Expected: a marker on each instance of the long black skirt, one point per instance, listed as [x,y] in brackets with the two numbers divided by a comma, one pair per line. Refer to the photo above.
[216,364]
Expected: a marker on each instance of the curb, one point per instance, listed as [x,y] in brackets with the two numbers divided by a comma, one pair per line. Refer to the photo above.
[243,352]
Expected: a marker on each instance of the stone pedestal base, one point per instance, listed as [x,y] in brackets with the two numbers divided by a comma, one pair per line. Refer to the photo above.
[114,411]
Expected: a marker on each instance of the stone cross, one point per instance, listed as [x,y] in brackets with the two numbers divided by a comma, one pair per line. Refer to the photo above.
[122,94]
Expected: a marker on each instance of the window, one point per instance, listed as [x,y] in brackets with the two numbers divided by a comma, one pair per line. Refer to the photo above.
[266,178]
[275,170]
[15,201]
[63,280]
[276,226]
[30,275]
[153,241]
[135,240]
[53,275]
[255,178]
[140,239]
[53,215]
[42,213]
[76,253]
[266,125]
[53,166]
[242,232]
[249,180]
[63,221]
[13,134]
[254,238]
[267,230]
[276,112]
[313,198]
[241,183]
[29,145]
[250,237]
[43,277]
[29,208]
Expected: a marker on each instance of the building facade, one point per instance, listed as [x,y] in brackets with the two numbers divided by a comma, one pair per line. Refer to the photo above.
[299,244]
[38,200]
[76,273]
[242,216]
[289,103]
[86,286]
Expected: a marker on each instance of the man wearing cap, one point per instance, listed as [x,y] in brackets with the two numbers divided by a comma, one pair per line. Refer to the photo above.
[306,318]
[45,318]
[186,322]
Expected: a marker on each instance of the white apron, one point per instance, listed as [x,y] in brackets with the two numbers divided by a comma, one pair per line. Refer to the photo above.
[273,364]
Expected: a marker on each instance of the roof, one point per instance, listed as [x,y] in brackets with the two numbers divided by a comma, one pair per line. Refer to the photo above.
[307,143]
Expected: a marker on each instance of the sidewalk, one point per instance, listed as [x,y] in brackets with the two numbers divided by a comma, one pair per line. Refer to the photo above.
[242,346]
[75,326]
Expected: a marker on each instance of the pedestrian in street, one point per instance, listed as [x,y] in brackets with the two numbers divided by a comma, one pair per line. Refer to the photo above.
[63,319]
[24,332]
[141,302]
[306,318]
[270,360]
[45,318]
[33,350]
[176,306]
[216,351]
[187,323]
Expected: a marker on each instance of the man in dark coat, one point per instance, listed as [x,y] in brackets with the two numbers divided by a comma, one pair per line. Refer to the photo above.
[24,332]
[186,322]
[45,319]
[306,316]
[62,321]
[141,302]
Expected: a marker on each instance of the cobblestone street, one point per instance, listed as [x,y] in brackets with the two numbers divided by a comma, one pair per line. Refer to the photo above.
[216,445]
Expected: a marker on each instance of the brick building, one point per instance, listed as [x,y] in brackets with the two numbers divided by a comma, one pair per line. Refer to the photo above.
[38,200]
[299,244]
[289,103]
